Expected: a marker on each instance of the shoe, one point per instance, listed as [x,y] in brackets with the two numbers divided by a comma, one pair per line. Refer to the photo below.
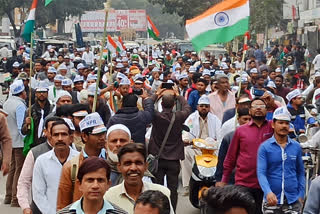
[7,201]
[15,204]
[185,191]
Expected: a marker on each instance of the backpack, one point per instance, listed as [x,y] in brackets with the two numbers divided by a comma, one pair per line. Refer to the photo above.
[74,171]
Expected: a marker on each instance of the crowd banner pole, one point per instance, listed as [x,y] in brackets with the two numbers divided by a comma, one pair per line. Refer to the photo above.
[30,74]
[148,44]
[241,71]
[106,8]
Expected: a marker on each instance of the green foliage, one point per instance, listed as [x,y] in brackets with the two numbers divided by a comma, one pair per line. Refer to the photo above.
[266,12]
[58,9]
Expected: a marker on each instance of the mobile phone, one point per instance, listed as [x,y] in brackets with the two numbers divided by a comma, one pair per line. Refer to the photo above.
[258,92]
[167,85]
[137,92]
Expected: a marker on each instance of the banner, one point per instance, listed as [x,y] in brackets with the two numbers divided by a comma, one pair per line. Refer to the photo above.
[93,21]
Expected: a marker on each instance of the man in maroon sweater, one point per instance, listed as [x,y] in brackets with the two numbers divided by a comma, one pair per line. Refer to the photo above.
[242,153]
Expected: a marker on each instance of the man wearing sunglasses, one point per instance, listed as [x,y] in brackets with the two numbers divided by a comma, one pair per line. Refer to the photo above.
[242,153]
[202,124]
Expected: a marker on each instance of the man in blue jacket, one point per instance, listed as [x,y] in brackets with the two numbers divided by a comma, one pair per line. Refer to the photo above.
[280,168]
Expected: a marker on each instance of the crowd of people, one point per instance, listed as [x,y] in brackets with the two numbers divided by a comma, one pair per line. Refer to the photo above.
[66,154]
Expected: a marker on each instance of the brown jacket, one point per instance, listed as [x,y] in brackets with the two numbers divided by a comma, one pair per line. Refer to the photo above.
[5,140]
[174,147]
[65,194]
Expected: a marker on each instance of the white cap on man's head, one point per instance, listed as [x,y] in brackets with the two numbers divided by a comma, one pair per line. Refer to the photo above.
[17,87]
[93,120]
[59,78]
[16,64]
[52,70]
[125,81]
[119,127]
[282,113]
[66,82]
[253,71]
[43,86]
[204,100]
[293,94]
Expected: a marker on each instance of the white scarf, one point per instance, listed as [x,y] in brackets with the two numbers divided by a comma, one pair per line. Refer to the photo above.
[195,128]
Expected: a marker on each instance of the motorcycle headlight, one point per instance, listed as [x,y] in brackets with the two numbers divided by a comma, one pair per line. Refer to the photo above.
[207,172]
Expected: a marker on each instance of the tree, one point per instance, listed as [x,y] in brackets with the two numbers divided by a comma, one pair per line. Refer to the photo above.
[58,9]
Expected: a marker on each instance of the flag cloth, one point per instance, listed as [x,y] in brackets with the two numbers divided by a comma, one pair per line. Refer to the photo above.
[219,24]
[152,30]
[48,2]
[29,26]
[111,45]
[28,140]
[121,42]
[119,46]
[79,35]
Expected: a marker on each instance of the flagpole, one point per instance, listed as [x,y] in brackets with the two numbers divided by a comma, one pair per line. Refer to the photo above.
[106,8]
[30,73]
[148,37]
[241,71]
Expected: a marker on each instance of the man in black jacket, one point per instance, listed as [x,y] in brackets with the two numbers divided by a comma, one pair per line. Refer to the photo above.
[39,111]
[173,152]
[130,116]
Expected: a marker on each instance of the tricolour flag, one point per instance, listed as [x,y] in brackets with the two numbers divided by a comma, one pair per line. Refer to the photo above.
[28,139]
[121,42]
[111,45]
[219,24]
[29,26]
[152,30]
[48,2]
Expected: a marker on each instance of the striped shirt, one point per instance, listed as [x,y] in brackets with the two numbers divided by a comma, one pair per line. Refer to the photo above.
[76,208]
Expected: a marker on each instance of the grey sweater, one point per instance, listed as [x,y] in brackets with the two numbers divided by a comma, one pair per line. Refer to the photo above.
[313,200]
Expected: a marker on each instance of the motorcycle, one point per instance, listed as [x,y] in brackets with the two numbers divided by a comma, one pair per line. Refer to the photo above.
[203,171]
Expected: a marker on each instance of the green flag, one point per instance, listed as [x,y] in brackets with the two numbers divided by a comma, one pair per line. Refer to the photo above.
[48,2]
[28,140]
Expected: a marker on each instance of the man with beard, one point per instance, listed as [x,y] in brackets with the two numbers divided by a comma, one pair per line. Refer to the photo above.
[117,136]
[54,89]
[183,84]
[132,165]
[39,111]
[242,153]
[93,134]
[51,74]
[281,90]
[202,124]
[283,187]
[47,168]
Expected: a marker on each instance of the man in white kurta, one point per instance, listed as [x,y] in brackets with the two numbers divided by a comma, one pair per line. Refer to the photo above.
[202,124]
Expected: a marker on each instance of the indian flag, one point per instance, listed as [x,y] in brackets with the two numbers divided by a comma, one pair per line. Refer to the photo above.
[29,26]
[152,30]
[121,42]
[219,24]
[111,45]
[47,2]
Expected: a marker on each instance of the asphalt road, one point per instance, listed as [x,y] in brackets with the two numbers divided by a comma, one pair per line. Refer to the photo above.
[184,206]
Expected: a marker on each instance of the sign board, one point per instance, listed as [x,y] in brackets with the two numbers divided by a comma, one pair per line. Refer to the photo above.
[290,11]
[93,21]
